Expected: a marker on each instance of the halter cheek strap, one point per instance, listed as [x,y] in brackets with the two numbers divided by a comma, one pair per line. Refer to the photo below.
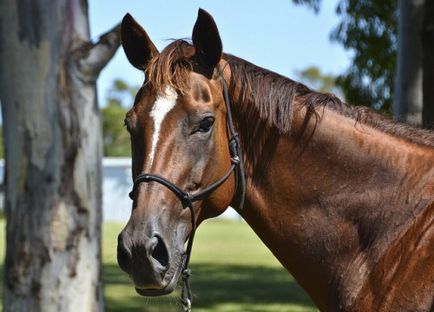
[187,199]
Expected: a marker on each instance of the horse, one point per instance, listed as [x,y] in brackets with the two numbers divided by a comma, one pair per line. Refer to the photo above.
[342,196]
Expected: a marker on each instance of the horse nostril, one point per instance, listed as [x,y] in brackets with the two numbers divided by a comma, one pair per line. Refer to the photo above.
[124,255]
[160,253]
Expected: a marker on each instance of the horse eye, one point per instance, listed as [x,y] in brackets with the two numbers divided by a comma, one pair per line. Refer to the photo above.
[127,125]
[206,124]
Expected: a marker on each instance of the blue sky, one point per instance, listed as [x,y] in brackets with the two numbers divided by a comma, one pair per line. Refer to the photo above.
[277,34]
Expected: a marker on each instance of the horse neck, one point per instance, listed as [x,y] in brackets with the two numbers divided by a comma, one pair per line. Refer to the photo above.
[328,205]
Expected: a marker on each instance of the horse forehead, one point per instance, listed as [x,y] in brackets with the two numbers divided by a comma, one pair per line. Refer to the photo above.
[202,94]
[163,104]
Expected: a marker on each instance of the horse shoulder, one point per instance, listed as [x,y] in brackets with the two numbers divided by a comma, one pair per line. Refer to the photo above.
[403,279]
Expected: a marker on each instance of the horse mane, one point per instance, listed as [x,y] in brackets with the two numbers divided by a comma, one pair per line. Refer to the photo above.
[271,94]
[274,96]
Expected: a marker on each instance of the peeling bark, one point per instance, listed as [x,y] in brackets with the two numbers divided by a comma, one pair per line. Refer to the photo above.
[53,154]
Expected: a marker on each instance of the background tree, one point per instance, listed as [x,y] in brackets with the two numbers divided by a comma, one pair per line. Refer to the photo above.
[315,79]
[53,153]
[314,4]
[388,64]
[407,102]
[369,29]
[428,65]
[116,139]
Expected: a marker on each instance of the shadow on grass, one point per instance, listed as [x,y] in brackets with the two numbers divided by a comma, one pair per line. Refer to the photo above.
[213,285]
[239,287]
[1,285]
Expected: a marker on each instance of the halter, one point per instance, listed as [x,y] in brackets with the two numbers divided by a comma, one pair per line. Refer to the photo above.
[187,199]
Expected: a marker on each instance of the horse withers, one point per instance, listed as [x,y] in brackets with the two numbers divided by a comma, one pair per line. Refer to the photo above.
[343,197]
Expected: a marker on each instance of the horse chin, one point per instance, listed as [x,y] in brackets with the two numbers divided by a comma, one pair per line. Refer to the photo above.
[155,292]
[165,290]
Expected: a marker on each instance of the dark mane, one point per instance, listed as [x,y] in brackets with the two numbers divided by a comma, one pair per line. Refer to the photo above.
[272,94]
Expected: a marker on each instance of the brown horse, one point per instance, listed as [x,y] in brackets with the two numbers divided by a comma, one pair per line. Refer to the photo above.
[342,196]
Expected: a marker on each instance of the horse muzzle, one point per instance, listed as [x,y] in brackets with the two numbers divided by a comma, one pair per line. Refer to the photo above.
[149,264]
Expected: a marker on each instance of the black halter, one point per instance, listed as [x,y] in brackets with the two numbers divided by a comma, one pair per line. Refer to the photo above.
[187,199]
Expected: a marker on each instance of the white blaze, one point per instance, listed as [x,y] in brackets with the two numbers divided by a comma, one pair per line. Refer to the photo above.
[163,105]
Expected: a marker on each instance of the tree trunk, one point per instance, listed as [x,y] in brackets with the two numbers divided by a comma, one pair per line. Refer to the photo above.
[53,154]
[407,104]
[428,65]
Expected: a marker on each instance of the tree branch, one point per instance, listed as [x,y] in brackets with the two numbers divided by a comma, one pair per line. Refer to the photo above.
[93,57]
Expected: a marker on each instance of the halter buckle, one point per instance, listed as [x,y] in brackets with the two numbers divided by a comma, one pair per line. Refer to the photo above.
[235,160]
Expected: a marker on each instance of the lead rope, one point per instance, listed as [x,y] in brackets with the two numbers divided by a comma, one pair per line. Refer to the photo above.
[186,294]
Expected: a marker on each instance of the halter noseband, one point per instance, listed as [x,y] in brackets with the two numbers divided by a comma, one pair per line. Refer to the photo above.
[187,199]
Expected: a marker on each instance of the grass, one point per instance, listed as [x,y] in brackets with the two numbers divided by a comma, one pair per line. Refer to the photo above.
[2,257]
[232,271]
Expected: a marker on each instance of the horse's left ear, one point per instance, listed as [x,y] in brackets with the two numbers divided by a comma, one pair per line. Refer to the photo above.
[207,43]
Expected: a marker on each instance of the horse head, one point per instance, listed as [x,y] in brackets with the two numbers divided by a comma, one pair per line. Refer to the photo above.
[179,130]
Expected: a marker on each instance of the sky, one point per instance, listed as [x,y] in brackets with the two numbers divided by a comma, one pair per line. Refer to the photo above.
[276,34]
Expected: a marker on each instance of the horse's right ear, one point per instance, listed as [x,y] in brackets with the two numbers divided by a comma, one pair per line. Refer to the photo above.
[136,43]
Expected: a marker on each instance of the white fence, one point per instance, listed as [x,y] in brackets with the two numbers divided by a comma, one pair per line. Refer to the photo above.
[117,184]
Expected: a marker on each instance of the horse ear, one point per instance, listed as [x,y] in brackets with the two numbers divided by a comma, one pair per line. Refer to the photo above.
[207,43]
[136,43]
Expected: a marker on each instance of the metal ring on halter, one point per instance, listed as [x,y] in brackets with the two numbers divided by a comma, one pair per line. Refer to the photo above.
[187,305]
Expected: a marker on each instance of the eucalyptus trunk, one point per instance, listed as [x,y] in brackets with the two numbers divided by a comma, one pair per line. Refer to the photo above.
[53,154]
[407,104]
[428,65]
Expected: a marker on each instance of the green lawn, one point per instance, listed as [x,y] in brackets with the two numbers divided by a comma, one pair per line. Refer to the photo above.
[232,271]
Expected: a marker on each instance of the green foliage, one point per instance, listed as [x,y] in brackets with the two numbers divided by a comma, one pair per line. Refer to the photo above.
[314,4]
[116,140]
[369,28]
[315,79]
